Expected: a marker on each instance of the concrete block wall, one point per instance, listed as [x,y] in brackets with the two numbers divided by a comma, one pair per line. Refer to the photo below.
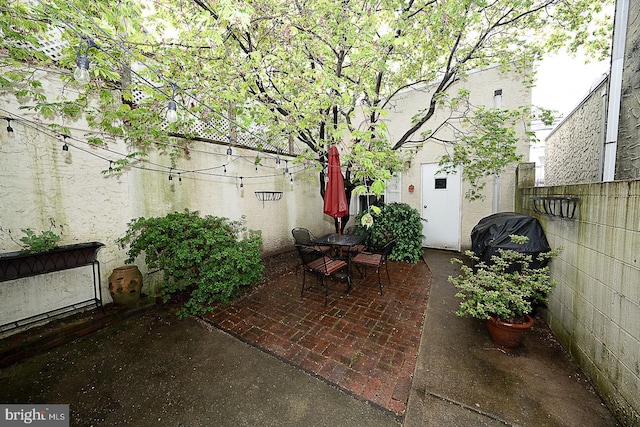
[572,150]
[595,308]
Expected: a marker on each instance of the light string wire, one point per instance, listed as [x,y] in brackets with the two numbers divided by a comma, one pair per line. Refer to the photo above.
[294,169]
[158,74]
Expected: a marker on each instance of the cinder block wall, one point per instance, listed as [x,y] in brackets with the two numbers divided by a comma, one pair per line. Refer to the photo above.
[595,308]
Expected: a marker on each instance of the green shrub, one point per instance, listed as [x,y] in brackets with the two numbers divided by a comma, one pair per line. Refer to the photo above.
[209,256]
[400,221]
[43,242]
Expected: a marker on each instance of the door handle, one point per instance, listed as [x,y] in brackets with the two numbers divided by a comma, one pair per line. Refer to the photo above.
[425,206]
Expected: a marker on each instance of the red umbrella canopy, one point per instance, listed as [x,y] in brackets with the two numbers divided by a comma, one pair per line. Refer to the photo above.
[335,198]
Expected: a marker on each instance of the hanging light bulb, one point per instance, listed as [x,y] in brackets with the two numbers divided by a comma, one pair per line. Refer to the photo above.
[9,128]
[291,178]
[65,147]
[241,184]
[172,107]
[286,166]
[225,168]
[172,113]
[81,74]
[229,153]
[278,163]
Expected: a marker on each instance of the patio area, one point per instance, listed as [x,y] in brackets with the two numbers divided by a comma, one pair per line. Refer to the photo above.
[362,342]
[150,368]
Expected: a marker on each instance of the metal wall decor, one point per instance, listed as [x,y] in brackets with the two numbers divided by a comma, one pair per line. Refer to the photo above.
[268,196]
[556,206]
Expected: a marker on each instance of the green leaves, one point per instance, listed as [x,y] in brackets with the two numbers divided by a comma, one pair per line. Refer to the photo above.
[507,287]
[318,71]
[43,242]
[394,220]
[209,257]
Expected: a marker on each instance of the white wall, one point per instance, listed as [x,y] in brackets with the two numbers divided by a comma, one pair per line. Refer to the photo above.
[482,85]
[41,183]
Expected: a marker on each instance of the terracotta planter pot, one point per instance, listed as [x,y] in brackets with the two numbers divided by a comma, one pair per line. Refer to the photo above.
[508,336]
[125,284]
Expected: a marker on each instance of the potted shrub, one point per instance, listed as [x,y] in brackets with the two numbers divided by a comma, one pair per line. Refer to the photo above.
[504,292]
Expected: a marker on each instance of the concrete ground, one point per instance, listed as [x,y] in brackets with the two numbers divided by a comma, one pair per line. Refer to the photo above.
[461,379]
[154,370]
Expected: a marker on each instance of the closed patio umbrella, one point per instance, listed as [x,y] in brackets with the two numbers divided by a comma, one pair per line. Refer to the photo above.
[335,198]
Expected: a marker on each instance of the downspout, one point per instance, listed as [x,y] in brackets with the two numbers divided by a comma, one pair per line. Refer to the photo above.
[615,90]
[497,103]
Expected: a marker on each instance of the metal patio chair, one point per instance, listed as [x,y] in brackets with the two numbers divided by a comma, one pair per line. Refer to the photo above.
[377,260]
[314,260]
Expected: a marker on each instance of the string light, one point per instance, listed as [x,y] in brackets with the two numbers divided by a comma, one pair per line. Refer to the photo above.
[229,153]
[65,147]
[9,128]
[172,113]
[170,177]
[81,74]
[286,166]
[112,163]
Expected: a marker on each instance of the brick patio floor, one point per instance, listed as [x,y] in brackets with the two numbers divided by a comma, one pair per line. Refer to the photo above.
[361,341]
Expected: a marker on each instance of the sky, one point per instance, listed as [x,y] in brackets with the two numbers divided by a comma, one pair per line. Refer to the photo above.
[563,81]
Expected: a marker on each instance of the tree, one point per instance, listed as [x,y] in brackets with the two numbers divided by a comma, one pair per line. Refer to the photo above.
[317,71]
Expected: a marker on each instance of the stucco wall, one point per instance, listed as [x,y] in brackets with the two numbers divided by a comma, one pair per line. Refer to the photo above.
[482,85]
[573,149]
[595,308]
[40,183]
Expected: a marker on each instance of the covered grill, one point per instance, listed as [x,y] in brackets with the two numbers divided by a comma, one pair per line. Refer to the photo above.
[492,233]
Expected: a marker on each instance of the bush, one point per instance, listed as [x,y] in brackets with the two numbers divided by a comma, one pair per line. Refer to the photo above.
[400,221]
[497,289]
[210,256]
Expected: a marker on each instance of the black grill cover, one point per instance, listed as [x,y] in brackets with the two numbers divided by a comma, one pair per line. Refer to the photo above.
[492,233]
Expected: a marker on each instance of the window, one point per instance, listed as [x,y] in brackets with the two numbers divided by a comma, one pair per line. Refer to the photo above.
[391,195]
[440,184]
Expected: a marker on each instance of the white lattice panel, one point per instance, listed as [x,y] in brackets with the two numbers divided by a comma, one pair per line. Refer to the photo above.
[218,129]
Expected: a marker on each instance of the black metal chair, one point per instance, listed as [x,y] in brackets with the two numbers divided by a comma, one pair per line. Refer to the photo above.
[377,260]
[303,236]
[314,260]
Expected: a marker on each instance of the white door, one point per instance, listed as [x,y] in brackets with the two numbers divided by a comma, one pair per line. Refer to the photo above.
[441,204]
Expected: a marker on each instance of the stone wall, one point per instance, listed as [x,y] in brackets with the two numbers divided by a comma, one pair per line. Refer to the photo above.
[595,309]
[628,152]
[573,149]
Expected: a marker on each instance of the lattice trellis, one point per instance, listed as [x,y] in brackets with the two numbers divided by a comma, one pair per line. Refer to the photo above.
[217,129]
